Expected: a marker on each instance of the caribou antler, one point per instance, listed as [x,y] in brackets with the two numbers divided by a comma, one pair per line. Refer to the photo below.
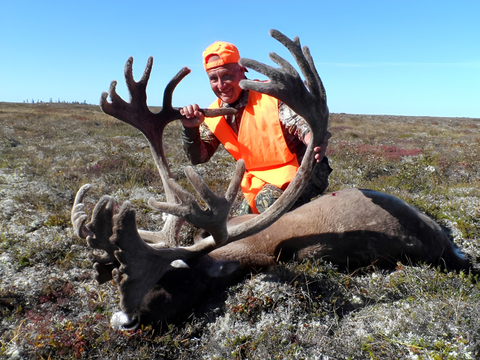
[97,232]
[152,125]
[307,98]
[143,265]
[137,113]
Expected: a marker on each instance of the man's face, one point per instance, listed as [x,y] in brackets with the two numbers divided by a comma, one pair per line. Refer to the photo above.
[224,81]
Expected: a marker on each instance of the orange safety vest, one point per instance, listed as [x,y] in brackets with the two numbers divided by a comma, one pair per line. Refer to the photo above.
[260,143]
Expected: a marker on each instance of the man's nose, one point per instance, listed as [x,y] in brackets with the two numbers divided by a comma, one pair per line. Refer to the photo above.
[220,84]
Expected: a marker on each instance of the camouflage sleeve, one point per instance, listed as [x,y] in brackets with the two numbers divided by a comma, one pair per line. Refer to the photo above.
[199,143]
[293,123]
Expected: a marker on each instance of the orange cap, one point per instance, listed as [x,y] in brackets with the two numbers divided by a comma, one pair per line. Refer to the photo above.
[228,53]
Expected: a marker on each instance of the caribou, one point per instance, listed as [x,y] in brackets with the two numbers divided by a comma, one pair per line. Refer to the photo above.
[159,280]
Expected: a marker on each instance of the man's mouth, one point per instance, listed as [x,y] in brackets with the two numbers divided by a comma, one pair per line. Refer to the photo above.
[226,93]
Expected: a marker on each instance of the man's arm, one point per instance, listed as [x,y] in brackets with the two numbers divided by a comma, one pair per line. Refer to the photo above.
[296,126]
[199,148]
[293,123]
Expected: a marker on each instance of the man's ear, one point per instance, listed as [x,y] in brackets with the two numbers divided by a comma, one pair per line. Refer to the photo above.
[222,268]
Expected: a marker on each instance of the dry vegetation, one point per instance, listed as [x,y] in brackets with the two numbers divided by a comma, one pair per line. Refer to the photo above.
[50,308]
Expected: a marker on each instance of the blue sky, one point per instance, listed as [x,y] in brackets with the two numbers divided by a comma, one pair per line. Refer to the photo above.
[375,57]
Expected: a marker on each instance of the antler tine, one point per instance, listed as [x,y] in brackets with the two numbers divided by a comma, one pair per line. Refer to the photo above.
[235,182]
[141,96]
[214,218]
[137,89]
[168,93]
[78,214]
[311,65]
[117,103]
[313,82]
[307,68]
[207,194]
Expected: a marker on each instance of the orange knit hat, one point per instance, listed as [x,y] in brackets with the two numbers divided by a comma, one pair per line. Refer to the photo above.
[228,53]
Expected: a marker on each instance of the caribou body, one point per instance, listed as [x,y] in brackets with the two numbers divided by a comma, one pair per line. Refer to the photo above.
[352,228]
[159,280]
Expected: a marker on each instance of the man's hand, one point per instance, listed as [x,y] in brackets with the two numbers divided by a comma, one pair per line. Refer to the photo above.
[319,150]
[194,117]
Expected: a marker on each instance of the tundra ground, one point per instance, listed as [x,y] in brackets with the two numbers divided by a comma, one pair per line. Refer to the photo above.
[50,308]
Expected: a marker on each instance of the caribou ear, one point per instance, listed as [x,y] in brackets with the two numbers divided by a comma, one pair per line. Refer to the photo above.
[222,268]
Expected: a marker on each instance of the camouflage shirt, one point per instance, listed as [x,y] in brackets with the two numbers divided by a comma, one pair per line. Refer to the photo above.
[200,143]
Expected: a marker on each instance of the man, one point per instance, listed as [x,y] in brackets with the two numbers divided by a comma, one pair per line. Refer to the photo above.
[265,133]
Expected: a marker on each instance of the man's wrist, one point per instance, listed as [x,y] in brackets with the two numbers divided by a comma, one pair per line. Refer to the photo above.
[191,133]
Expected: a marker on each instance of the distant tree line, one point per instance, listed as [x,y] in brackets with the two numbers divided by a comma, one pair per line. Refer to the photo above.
[54,102]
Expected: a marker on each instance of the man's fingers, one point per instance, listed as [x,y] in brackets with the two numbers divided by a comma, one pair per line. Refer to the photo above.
[191,111]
